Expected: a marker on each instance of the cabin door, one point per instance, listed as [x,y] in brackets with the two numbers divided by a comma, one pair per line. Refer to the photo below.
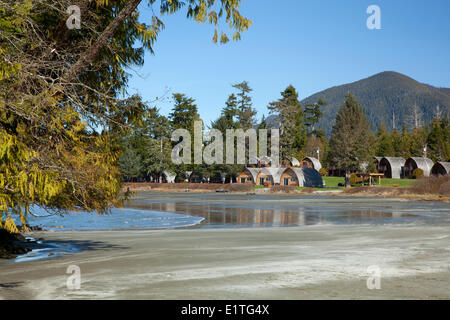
[261,181]
[286,181]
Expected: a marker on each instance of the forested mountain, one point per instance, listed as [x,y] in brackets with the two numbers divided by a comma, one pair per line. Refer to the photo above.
[388,97]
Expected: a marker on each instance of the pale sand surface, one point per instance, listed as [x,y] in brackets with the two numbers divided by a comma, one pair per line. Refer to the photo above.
[315,262]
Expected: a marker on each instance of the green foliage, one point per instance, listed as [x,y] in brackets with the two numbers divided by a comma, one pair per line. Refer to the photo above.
[184,112]
[382,94]
[291,122]
[313,114]
[246,114]
[351,137]
[323,172]
[385,146]
[51,154]
[353,179]
[438,139]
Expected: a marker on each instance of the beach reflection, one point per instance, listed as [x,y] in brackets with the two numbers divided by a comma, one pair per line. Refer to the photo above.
[226,216]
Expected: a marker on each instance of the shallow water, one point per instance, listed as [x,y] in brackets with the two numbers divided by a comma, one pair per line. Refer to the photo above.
[270,210]
[117,219]
[175,210]
[150,211]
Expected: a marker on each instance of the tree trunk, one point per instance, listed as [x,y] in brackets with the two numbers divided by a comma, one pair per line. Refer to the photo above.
[347,179]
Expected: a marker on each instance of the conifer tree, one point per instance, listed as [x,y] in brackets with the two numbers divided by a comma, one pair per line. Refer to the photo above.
[351,137]
[291,123]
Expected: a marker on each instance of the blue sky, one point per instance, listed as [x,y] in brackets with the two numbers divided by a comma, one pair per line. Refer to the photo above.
[312,45]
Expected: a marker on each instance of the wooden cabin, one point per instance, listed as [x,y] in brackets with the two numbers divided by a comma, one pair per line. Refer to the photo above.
[289,178]
[248,176]
[310,162]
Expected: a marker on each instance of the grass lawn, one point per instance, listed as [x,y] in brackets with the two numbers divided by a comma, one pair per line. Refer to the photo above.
[332,182]
[401,183]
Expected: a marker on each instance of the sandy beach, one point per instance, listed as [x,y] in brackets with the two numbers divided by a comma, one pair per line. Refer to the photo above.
[317,262]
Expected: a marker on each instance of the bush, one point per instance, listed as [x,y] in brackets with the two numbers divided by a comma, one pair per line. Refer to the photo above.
[353,179]
[433,185]
[417,173]
[323,172]
[282,189]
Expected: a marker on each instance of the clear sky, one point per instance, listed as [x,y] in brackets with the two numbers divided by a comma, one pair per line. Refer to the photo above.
[312,45]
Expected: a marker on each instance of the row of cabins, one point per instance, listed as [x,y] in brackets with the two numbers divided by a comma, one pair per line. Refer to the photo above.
[303,173]
[399,168]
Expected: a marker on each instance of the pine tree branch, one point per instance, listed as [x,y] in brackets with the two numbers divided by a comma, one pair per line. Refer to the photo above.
[90,55]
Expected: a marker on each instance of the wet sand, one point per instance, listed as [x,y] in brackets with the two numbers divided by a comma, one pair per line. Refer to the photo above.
[314,262]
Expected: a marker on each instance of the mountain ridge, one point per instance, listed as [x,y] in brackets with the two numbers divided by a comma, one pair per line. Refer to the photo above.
[388,96]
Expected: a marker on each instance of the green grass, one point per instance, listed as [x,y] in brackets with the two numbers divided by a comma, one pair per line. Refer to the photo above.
[332,182]
[402,183]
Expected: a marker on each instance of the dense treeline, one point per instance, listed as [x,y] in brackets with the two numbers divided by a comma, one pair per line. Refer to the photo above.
[147,149]
[351,147]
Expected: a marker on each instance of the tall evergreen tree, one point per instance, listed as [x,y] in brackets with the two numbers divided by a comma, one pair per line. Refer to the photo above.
[439,140]
[313,113]
[384,146]
[291,123]
[351,137]
[403,144]
[246,114]
[184,112]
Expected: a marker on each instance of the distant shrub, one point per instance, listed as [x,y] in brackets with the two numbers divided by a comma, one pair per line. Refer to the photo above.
[323,172]
[417,173]
[353,179]
[433,185]
[444,189]
[282,189]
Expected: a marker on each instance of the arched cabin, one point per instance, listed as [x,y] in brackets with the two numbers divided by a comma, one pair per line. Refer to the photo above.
[441,169]
[392,167]
[422,163]
[269,176]
[248,176]
[302,177]
[310,162]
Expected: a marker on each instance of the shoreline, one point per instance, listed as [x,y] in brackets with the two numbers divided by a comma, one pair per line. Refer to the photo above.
[381,192]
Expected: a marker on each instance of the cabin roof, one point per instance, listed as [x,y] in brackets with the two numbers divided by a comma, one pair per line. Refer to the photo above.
[445,165]
[422,163]
[316,163]
[307,177]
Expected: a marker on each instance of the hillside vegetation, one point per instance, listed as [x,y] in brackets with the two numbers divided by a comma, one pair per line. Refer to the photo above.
[382,95]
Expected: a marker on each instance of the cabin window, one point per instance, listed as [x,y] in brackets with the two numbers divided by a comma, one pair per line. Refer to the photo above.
[268,179]
[242,180]
[293,179]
